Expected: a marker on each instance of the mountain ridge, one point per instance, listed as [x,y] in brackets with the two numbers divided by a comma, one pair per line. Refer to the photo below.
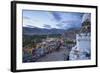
[41,31]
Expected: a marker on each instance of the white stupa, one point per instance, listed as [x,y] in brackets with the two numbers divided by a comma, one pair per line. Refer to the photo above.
[82,49]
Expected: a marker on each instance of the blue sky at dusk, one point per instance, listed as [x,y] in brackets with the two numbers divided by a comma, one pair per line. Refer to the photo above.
[51,19]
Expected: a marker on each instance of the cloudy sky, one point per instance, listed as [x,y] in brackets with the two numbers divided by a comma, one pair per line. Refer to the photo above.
[51,19]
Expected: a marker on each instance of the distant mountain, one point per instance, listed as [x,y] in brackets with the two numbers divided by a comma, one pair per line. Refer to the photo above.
[71,33]
[41,31]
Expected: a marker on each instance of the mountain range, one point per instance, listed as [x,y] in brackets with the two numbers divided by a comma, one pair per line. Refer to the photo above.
[41,31]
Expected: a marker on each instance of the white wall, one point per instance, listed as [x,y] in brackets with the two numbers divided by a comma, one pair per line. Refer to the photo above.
[5,37]
[83,42]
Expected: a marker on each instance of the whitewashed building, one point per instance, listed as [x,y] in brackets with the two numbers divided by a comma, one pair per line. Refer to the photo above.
[82,49]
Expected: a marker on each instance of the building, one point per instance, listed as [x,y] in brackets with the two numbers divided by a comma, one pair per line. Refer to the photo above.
[82,49]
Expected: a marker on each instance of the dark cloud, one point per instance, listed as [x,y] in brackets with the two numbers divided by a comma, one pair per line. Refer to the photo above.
[46,26]
[72,25]
[69,24]
[77,14]
[56,16]
[59,25]
[71,21]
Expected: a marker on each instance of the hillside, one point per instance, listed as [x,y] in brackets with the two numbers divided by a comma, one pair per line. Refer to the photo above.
[41,31]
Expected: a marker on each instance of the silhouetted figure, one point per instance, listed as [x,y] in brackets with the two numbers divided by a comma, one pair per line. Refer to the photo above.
[67,57]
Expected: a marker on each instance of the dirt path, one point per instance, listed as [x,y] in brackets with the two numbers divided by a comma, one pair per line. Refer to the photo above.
[54,56]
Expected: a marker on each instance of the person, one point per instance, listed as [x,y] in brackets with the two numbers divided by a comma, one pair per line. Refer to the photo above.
[66,57]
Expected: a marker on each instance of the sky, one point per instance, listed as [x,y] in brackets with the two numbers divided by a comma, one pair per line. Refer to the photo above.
[51,19]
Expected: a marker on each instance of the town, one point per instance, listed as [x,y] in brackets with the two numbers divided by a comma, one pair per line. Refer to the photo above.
[50,46]
[45,45]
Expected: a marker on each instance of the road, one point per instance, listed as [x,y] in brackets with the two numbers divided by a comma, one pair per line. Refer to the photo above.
[54,56]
